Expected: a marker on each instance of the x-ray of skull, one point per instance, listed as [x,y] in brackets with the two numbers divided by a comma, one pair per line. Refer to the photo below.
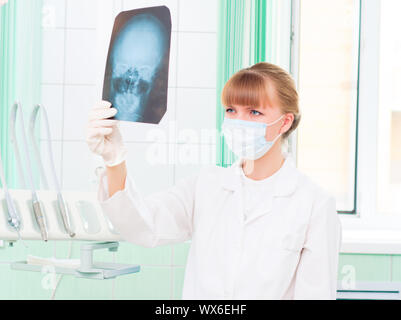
[136,77]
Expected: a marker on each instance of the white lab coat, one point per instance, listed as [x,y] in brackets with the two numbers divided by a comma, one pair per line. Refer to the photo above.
[288,250]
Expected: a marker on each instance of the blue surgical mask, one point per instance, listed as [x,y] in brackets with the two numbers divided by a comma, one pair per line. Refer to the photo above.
[246,139]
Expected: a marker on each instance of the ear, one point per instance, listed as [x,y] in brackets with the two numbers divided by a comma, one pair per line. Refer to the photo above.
[287,123]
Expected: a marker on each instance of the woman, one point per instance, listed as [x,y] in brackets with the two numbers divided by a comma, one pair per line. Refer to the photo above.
[260,229]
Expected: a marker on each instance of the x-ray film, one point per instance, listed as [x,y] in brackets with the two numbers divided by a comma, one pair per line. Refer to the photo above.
[136,76]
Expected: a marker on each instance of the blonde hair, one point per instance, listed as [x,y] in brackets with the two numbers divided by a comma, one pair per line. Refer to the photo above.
[255,85]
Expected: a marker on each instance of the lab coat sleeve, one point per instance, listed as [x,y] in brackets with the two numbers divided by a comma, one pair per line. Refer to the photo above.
[161,218]
[316,276]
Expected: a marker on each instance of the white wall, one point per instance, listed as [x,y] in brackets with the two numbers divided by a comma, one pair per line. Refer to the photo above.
[75,41]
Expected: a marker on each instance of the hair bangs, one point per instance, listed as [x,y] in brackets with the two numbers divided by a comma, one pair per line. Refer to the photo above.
[246,88]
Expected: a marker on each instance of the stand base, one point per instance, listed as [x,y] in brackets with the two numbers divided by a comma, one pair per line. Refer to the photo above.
[87,269]
[101,270]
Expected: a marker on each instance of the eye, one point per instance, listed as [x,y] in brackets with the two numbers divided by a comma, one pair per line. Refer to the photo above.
[229,110]
[255,113]
[143,86]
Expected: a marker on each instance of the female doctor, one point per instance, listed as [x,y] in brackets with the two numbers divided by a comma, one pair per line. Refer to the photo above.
[260,229]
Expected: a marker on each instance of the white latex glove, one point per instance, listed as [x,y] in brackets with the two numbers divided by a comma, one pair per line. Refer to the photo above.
[103,136]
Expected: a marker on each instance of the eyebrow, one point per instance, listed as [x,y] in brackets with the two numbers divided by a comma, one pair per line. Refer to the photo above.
[258,108]
[255,107]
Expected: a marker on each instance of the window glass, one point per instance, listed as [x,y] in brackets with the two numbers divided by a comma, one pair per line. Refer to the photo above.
[328,79]
[389,113]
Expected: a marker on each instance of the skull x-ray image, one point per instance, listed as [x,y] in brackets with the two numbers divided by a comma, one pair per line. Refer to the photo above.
[136,77]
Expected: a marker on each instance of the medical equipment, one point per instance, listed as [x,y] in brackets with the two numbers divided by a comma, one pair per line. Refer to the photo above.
[14,219]
[84,216]
[39,261]
[85,212]
[60,200]
[86,268]
[136,75]
[36,205]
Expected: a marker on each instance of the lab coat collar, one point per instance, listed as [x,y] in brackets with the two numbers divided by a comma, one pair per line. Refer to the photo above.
[285,184]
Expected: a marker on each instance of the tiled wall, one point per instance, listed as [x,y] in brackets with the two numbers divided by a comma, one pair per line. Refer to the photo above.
[72,71]
[370,267]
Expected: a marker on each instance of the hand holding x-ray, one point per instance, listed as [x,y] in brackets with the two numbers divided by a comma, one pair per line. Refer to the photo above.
[103,136]
[136,77]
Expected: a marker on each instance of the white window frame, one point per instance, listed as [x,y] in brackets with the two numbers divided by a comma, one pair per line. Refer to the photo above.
[366,231]
[369,231]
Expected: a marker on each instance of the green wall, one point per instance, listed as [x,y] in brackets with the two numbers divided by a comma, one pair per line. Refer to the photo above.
[161,275]
[371,267]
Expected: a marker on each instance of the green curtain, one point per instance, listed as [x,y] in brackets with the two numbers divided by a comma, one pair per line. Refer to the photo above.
[20,68]
[249,31]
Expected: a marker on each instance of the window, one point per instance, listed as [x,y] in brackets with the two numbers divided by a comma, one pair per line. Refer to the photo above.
[328,83]
[349,139]
[389,111]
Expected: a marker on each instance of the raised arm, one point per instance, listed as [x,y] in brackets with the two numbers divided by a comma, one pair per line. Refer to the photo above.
[164,217]
[116,177]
